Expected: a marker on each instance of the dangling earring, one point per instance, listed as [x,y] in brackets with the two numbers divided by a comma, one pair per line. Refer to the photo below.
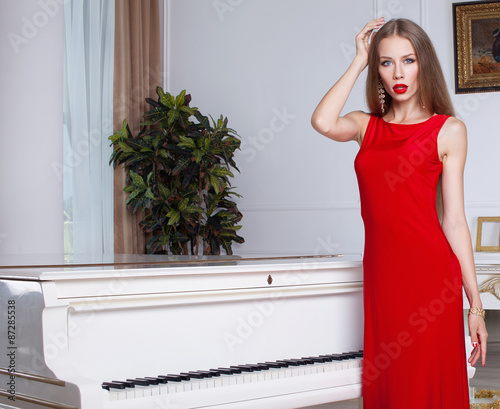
[381,95]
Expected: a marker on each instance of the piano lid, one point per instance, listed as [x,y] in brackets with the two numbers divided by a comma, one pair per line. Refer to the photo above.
[42,267]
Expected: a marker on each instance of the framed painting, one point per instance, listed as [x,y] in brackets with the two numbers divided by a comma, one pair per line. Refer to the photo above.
[488,234]
[477,46]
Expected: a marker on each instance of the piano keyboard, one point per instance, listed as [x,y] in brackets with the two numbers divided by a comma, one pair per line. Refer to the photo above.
[197,381]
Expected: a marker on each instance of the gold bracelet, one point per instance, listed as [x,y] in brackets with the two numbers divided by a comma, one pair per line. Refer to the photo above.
[477,311]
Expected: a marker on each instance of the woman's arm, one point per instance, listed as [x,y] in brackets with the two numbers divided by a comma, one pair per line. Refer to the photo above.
[326,118]
[452,142]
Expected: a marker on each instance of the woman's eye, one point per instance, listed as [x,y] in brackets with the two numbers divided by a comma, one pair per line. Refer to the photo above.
[409,60]
[386,62]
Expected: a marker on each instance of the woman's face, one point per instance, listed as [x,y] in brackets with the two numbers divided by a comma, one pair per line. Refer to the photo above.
[398,68]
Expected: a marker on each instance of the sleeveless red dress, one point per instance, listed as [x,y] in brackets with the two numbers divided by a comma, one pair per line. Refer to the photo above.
[414,347]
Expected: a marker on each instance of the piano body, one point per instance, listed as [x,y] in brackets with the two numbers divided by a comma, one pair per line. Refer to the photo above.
[65,329]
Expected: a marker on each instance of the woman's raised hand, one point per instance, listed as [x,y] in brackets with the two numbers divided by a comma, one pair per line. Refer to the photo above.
[362,39]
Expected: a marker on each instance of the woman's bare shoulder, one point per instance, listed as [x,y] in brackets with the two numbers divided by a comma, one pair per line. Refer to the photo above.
[452,137]
[453,130]
[454,125]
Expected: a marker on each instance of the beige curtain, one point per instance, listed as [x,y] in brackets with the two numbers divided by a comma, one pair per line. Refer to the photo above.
[137,72]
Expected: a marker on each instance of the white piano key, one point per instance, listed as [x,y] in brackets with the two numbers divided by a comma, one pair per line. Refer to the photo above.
[175,387]
[113,395]
[227,380]
[122,395]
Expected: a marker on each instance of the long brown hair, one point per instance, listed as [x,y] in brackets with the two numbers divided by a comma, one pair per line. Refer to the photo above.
[433,92]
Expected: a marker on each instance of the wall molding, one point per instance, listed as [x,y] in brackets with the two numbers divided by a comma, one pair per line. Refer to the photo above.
[166,42]
[354,205]
[480,205]
[294,207]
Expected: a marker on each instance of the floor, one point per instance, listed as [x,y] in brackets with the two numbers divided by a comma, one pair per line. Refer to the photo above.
[487,377]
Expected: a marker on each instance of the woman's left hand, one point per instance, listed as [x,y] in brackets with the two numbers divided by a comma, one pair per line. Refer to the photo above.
[479,336]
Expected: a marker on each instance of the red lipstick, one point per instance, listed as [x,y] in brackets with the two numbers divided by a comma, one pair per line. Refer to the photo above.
[400,88]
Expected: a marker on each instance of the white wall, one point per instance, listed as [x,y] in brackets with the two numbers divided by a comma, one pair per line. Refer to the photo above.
[256,60]
[31,217]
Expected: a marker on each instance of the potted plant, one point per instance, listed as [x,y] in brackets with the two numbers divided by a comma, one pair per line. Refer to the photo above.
[178,173]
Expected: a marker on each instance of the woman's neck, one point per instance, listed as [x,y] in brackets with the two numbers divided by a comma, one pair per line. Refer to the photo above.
[408,112]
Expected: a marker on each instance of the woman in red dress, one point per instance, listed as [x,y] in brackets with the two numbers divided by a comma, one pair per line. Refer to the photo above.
[412,150]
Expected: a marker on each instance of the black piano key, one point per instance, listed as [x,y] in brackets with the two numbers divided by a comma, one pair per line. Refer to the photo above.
[254,367]
[232,370]
[335,357]
[174,378]
[357,354]
[139,382]
[263,367]
[277,364]
[316,359]
[204,374]
[150,381]
[326,358]
[224,371]
[184,376]
[305,361]
[242,367]
[298,362]
[216,372]
[193,375]
[112,385]
[157,380]
[290,362]
[126,383]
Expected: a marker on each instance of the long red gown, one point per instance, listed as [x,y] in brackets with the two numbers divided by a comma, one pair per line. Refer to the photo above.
[414,347]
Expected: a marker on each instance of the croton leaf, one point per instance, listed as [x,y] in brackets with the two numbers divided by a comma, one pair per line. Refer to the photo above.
[182,163]
[125,147]
[198,155]
[174,216]
[164,191]
[186,142]
[216,183]
[137,180]
[221,171]
[188,110]
[179,100]
[165,98]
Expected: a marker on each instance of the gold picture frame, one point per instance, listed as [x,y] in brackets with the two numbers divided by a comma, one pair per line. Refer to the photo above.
[476,27]
[479,246]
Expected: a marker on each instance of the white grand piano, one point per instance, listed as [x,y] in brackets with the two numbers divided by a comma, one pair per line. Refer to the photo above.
[152,332]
